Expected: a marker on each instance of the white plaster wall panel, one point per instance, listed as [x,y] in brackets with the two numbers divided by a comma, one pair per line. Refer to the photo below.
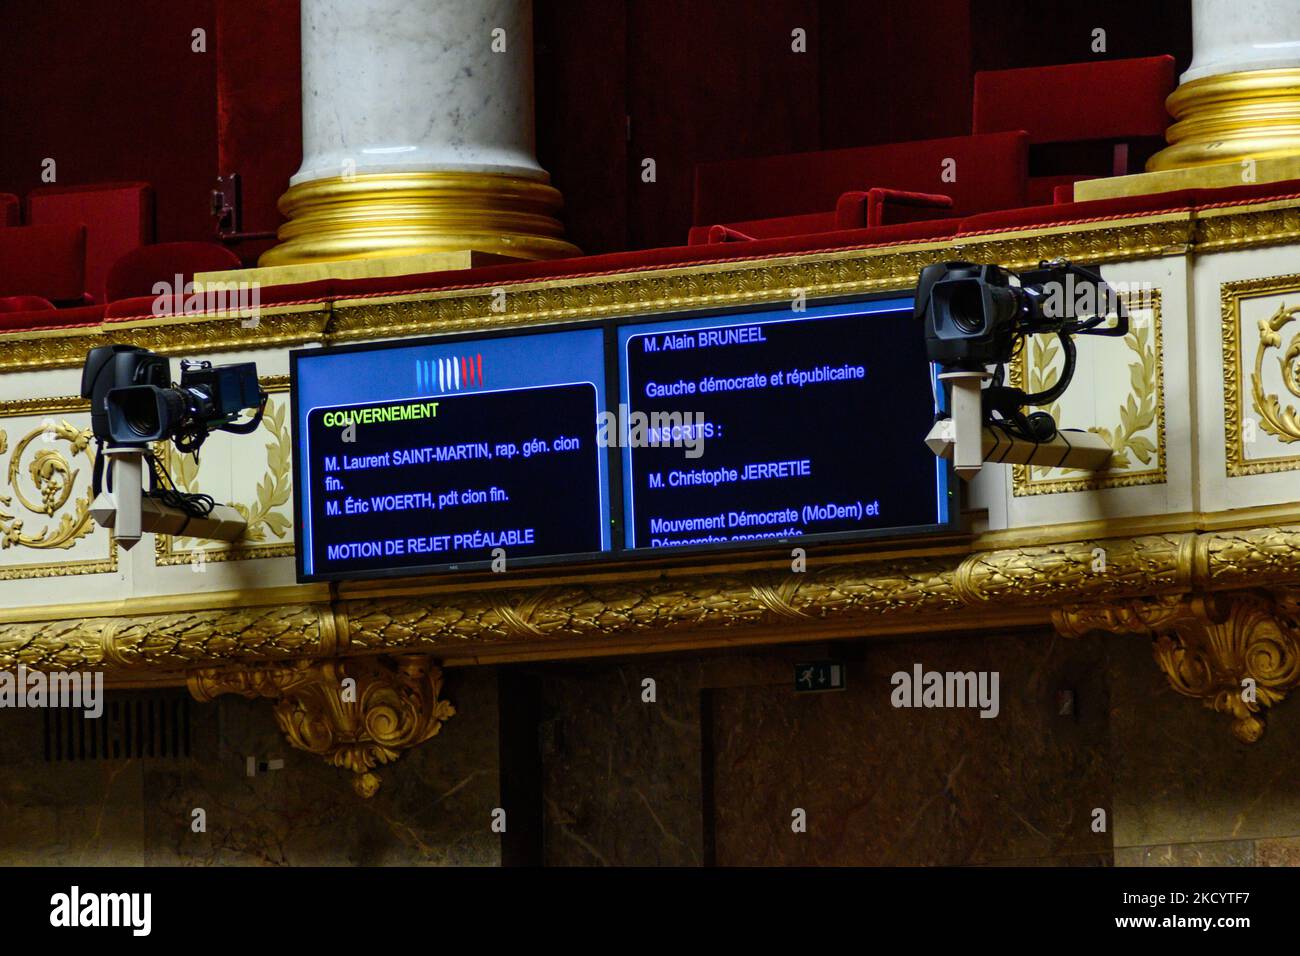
[1262,466]
[1134,390]
[51,552]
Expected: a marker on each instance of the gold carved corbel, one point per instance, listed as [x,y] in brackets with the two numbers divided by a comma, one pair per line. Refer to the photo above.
[1238,652]
[357,713]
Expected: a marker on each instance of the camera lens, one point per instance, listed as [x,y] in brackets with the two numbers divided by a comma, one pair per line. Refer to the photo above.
[143,412]
[140,411]
[966,306]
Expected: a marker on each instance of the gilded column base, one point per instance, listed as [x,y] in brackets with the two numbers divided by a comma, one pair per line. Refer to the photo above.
[1231,117]
[1237,652]
[376,215]
[357,714]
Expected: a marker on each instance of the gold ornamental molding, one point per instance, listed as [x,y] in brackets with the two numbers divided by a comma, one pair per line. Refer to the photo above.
[630,609]
[1237,652]
[1282,423]
[268,533]
[47,458]
[166,635]
[1233,227]
[703,285]
[356,714]
[271,327]
[296,643]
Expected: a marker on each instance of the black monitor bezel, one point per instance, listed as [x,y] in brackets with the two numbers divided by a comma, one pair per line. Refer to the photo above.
[613,458]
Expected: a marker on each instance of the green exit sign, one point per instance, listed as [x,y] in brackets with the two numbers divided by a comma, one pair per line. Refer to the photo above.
[818,676]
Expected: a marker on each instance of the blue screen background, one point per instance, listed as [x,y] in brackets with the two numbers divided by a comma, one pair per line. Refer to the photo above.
[327,378]
[627,333]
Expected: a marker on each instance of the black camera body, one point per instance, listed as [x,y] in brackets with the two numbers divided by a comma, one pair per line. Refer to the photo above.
[974,314]
[970,313]
[133,401]
[975,317]
[111,367]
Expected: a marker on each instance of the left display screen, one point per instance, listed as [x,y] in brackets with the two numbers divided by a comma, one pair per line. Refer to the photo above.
[438,453]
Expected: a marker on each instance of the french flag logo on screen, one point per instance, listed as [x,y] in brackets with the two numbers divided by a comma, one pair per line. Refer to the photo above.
[452,374]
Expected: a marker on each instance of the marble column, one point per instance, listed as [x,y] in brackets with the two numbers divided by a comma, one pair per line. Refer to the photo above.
[1240,98]
[418,134]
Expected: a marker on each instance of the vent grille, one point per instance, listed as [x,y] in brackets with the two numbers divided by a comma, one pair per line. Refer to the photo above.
[133,726]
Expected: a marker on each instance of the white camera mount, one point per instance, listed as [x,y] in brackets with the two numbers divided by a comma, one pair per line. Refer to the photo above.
[131,513]
[964,438]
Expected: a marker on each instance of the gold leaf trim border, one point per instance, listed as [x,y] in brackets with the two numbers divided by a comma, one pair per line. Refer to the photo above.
[480,621]
[703,285]
[26,351]
[1247,226]
[742,282]
[1231,295]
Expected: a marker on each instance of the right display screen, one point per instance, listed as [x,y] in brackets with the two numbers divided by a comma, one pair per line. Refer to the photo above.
[777,425]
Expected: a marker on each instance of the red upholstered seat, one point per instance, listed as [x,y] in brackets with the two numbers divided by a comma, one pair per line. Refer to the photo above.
[86,315]
[46,261]
[351,291]
[1074,102]
[1069,212]
[1116,104]
[854,210]
[977,172]
[24,303]
[889,207]
[10,210]
[118,218]
[612,263]
[745,231]
[137,272]
[1051,189]
[133,309]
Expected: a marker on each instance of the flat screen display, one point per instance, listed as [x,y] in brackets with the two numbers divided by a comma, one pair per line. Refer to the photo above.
[777,425]
[741,429]
[436,453]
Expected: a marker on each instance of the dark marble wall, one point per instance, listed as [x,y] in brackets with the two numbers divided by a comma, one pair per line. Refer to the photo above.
[878,785]
[900,786]
[1187,792]
[434,806]
[714,769]
[709,771]
[622,778]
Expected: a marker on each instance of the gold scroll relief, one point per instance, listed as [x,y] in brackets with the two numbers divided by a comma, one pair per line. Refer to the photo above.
[1238,652]
[46,496]
[1257,404]
[356,714]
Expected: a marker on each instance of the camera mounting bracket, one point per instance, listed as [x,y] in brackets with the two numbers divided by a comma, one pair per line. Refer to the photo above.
[969,442]
[960,432]
[131,513]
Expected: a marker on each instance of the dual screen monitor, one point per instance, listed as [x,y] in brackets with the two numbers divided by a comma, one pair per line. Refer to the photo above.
[742,429]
